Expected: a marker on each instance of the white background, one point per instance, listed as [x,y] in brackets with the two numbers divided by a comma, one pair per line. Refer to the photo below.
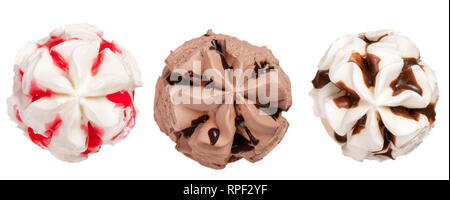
[298,33]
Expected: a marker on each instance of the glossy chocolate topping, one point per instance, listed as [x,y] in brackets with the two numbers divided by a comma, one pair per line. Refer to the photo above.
[241,145]
[388,137]
[187,132]
[360,125]
[406,80]
[190,79]
[369,42]
[368,65]
[388,154]
[349,100]
[340,139]
[261,69]
[321,79]
[241,123]
[217,47]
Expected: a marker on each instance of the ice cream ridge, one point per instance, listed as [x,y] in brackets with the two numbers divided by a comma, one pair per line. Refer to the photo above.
[221,99]
[375,96]
[74,91]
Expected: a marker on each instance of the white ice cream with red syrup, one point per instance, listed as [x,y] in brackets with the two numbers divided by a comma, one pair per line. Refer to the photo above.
[374,95]
[74,91]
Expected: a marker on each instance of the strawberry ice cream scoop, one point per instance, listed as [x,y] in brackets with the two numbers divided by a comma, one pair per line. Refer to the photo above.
[74,91]
[374,95]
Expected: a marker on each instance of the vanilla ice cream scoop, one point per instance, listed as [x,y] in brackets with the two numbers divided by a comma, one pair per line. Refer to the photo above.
[375,96]
[220,99]
[73,91]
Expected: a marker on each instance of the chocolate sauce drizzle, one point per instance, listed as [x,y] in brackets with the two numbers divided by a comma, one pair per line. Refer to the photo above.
[234,158]
[239,121]
[340,139]
[217,47]
[349,100]
[187,132]
[322,78]
[213,134]
[360,125]
[406,80]
[388,138]
[414,113]
[240,143]
[429,111]
[261,68]
[175,78]
[369,42]
[369,66]
[406,112]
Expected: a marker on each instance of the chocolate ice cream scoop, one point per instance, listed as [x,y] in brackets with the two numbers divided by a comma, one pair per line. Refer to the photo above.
[220,99]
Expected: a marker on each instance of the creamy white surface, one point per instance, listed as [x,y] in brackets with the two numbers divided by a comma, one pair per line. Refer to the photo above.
[78,96]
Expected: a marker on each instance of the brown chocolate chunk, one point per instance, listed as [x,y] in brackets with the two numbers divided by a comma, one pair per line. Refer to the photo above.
[414,113]
[388,137]
[388,154]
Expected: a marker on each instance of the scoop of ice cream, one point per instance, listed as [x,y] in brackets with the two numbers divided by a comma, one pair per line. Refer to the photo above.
[73,91]
[220,99]
[374,95]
